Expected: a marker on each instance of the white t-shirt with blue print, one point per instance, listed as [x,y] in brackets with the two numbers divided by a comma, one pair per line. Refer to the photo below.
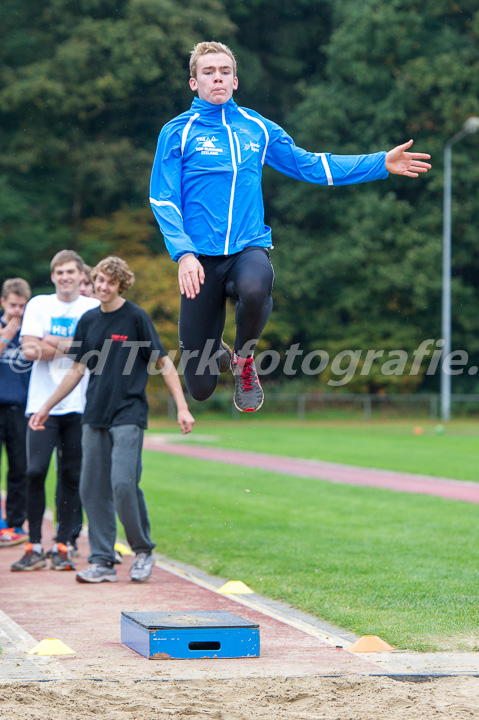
[47,315]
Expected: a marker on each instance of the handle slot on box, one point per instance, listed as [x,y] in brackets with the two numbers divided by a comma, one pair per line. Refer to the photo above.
[204,645]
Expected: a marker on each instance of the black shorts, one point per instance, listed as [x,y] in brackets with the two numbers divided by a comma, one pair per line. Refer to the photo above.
[245,277]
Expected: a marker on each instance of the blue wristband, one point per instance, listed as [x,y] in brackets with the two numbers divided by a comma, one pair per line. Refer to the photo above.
[5,340]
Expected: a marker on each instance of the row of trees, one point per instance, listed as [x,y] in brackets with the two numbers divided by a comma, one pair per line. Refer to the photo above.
[87,84]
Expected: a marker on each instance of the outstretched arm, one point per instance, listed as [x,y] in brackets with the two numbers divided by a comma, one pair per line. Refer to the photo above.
[331,169]
[410,164]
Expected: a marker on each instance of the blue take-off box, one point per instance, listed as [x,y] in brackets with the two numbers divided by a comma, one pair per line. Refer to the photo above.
[186,635]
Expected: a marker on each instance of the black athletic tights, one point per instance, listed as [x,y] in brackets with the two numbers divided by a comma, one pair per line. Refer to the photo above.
[246,277]
[63,431]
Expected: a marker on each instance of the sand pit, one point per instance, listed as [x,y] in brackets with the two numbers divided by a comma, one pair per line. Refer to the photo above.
[325,698]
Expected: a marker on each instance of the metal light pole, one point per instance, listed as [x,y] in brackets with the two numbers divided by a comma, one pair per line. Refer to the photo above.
[470,126]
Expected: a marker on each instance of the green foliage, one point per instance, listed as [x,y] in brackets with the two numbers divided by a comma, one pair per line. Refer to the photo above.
[81,114]
[361,266]
[278,45]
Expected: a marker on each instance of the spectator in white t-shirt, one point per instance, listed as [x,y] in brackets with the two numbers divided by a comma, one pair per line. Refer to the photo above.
[47,332]
[86,289]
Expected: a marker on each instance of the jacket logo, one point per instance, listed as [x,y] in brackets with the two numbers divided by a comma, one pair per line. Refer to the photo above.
[119,338]
[254,147]
[206,145]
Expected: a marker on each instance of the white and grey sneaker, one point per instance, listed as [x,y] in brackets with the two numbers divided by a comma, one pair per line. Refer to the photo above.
[96,573]
[142,567]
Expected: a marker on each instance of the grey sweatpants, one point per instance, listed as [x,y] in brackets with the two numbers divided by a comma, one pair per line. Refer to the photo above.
[110,477]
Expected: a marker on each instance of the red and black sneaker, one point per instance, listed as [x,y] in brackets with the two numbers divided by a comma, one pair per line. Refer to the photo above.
[248,396]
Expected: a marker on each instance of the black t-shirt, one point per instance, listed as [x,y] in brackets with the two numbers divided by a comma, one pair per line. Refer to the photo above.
[117,348]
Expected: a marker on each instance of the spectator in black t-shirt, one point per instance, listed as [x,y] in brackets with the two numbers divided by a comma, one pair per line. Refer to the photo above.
[116,342]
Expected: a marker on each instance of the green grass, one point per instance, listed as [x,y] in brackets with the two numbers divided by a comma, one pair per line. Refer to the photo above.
[390,446]
[404,567]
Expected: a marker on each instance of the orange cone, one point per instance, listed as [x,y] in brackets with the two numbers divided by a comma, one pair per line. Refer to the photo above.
[369,644]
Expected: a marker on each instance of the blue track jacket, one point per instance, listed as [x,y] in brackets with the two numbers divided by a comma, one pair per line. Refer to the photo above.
[205,187]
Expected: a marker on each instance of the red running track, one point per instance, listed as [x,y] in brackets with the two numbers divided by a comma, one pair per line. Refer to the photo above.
[333,472]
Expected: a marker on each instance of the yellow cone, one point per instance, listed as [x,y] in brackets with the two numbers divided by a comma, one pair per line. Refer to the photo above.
[50,646]
[235,587]
[123,549]
[369,644]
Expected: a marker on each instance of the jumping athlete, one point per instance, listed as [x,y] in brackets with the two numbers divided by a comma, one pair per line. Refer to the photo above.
[206,196]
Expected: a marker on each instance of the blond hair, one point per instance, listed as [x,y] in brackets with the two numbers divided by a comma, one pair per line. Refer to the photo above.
[65,256]
[16,286]
[203,48]
[117,269]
